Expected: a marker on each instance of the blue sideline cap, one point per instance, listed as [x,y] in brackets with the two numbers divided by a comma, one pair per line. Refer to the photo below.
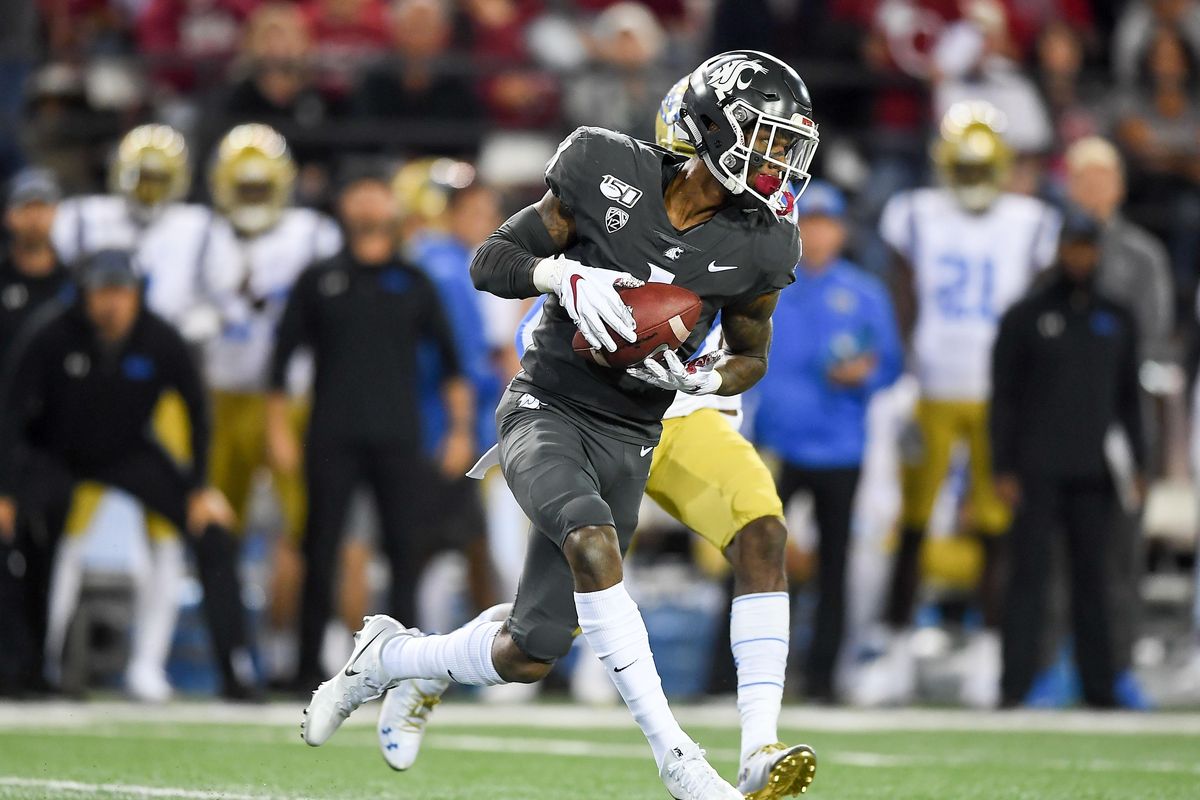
[821,198]
[33,185]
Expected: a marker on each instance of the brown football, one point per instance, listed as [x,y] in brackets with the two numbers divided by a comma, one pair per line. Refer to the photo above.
[665,316]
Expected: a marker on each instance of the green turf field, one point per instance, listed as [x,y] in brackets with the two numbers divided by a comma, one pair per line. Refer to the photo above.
[566,753]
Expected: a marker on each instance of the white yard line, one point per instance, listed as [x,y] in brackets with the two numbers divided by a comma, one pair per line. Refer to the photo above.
[127,790]
[465,714]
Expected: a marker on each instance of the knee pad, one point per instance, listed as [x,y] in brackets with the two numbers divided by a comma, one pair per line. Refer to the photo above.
[587,510]
[543,640]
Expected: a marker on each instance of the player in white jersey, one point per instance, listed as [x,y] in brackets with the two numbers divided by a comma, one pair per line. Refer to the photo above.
[188,257]
[970,250]
[251,180]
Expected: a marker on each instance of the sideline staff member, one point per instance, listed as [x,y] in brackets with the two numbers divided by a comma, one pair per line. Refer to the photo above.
[1064,370]
[364,313]
[76,405]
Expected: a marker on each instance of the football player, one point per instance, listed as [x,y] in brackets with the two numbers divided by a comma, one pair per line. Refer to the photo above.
[251,178]
[969,250]
[706,475]
[187,257]
[575,437]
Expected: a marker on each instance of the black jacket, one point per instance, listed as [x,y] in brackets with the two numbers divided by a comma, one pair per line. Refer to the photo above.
[1064,370]
[66,395]
[22,295]
[365,325]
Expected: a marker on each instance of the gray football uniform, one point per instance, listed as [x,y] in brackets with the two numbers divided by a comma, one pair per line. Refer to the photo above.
[575,437]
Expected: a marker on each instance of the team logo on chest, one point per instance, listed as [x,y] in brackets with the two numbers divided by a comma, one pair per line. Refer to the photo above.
[615,219]
[673,253]
[619,190]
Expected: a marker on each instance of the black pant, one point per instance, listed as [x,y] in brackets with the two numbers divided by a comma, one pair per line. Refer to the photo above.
[398,476]
[833,501]
[149,474]
[1084,511]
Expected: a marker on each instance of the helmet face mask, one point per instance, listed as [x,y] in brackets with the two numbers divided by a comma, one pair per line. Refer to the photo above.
[252,177]
[971,155]
[151,169]
[749,116]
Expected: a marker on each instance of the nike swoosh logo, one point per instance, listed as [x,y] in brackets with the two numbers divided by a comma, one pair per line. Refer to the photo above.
[715,267]
[646,450]
[362,649]
[627,666]
[575,279]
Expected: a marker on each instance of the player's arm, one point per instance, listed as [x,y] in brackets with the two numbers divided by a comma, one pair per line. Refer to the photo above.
[516,262]
[22,387]
[747,328]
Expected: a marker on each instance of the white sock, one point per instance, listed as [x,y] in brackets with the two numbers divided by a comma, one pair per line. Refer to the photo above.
[616,632]
[463,656]
[65,584]
[156,605]
[758,635]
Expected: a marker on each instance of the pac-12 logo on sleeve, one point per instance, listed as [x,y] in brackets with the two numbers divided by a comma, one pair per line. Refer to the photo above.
[619,190]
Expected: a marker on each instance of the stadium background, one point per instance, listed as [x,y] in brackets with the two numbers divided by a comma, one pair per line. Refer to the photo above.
[506,79]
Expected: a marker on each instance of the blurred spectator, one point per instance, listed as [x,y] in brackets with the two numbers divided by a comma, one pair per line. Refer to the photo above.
[364,313]
[18,49]
[415,84]
[30,279]
[1134,269]
[973,61]
[965,251]
[1029,19]
[472,214]
[278,84]
[1064,371]
[515,94]
[1076,103]
[30,272]
[1137,29]
[186,38]
[76,406]
[1159,129]
[668,12]
[626,77]
[78,29]
[836,344]
[346,33]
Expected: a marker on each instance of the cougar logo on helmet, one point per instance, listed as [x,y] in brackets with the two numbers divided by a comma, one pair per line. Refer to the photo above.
[729,75]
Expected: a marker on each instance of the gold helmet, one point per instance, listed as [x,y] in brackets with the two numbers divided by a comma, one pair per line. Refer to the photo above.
[667,130]
[971,154]
[423,188]
[251,177]
[151,168]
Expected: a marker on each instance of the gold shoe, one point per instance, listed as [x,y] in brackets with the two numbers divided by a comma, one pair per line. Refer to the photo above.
[776,770]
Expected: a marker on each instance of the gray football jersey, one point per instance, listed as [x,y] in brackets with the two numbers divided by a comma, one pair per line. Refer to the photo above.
[613,186]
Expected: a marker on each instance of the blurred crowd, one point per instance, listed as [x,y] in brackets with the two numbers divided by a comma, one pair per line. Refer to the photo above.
[236,167]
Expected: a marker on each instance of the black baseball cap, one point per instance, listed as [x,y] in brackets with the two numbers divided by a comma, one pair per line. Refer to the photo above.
[108,268]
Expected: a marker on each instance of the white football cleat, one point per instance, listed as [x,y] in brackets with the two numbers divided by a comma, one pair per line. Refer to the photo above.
[981,666]
[362,679]
[688,776]
[403,719]
[890,679]
[147,683]
[776,771]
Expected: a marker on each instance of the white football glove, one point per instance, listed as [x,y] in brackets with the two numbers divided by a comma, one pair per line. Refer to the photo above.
[589,295]
[695,377]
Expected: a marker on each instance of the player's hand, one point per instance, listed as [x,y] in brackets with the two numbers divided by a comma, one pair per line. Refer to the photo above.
[695,377]
[590,298]
[206,507]
[853,371]
[457,453]
[8,519]
[1008,489]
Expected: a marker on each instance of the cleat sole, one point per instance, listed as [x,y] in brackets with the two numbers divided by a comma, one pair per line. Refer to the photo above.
[791,775]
